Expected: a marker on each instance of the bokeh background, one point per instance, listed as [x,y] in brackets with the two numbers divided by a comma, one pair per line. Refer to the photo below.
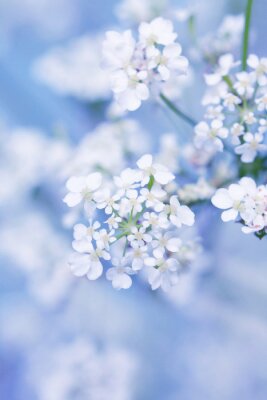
[63,338]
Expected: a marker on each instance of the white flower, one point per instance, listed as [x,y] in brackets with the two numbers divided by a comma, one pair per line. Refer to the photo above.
[81,231]
[171,60]
[230,199]
[213,133]
[127,180]
[113,221]
[137,254]
[179,215]
[118,49]
[253,144]
[163,272]
[139,236]
[132,202]
[82,188]
[84,235]
[88,264]
[129,91]
[237,130]
[159,31]
[246,199]
[231,101]
[244,84]
[260,68]
[106,201]
[160,173]
[163,242]
[119,274]
[225,63]
[262,103]
[155,221]
[152,197]
[104,238]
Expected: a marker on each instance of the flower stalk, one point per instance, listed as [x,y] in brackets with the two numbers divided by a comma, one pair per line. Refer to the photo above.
[177,111]
[246,35]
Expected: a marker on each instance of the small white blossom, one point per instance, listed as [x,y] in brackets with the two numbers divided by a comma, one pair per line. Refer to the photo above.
[160,173]
[179,215]
[249,150]
[82,188]
[119,274]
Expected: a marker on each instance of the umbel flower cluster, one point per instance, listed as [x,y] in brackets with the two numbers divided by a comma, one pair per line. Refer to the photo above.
[244,200]
[136,226]
[236,109]
[137,67]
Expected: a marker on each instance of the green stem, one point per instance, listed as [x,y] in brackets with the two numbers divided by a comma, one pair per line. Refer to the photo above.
[246,35]
[177,111]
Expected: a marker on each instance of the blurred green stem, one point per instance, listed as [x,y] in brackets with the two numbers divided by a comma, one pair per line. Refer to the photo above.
[246,35]
[177,111]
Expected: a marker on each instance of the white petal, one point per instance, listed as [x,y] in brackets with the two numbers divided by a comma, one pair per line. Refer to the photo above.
[72,199]
[222,199]
[229,215]
[145,161]
[95,271]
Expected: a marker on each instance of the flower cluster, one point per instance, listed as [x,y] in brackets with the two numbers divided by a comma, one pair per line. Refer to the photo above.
[225,40]
[136,11]
[65,69]
[247,201]
[140,228]
[236,109]
[137,67]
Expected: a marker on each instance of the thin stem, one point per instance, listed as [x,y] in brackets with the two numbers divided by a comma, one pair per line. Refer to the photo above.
[177,111]
[246,35]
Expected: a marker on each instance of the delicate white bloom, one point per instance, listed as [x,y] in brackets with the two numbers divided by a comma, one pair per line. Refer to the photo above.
[158,31]
[165,242]
[119,274]
[211,134]
[249,150]
[88,264]
[179,215]
[82,188]
[225,64]
[244,84]
[159,172]
[231,101]
[246,200]
[137,254]
[164,274]
[262,103]
[139,236]
[104,238]
[231,200]
[259,65]
[127,180]
[153,197]
[236,131]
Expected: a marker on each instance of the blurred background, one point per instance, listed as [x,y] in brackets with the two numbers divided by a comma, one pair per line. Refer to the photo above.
[63,338]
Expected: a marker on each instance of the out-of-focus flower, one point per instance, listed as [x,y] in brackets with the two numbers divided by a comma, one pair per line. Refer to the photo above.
[75,69]
[79,368]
